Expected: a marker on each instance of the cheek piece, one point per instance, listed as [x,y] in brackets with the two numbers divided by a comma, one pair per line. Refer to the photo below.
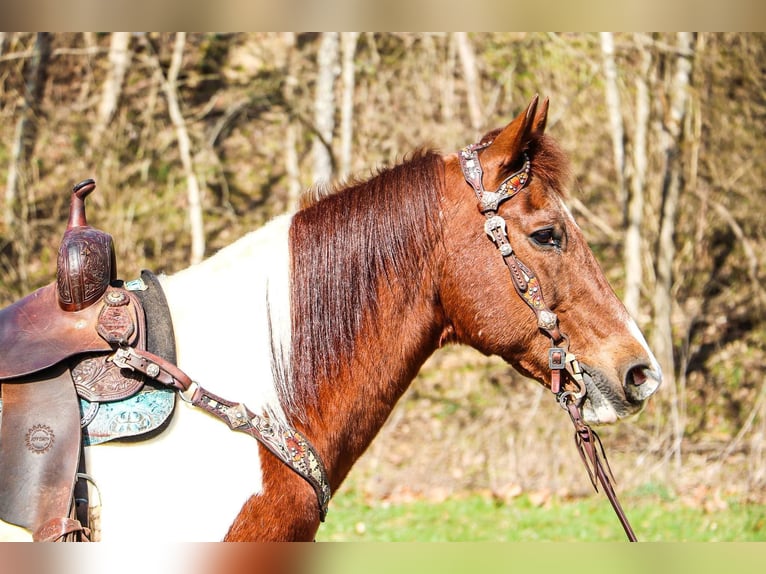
[566,375]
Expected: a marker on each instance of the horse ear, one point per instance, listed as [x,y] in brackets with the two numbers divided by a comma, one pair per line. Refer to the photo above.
[541,118]
[510,142]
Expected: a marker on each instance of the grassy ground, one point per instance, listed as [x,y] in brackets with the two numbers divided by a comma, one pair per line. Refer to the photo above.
[476,518]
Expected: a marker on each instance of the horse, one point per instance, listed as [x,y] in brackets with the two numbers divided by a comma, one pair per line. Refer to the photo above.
[321,319]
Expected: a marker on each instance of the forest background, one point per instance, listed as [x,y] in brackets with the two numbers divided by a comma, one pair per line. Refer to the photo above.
[196,139]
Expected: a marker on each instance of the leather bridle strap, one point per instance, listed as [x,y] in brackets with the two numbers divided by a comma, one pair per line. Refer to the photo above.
[587,441]
[524,280]
[286,443]
[525,283]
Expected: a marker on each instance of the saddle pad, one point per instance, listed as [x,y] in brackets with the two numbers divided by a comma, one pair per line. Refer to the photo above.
[149,410]
[136,416]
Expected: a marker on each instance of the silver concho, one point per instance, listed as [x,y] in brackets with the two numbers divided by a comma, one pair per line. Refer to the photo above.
[546,319]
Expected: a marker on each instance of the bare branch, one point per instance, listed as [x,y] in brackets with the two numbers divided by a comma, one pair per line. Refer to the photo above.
[169,86]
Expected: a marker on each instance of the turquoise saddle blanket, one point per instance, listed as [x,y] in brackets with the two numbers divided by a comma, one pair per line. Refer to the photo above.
[144,412]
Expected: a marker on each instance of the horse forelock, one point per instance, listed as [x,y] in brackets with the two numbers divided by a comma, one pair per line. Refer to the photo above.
[550,163]
[345,248]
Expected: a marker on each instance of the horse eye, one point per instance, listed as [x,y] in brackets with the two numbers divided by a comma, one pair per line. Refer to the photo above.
[545,238]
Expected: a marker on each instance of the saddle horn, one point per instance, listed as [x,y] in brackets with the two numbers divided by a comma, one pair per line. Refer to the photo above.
[86,260]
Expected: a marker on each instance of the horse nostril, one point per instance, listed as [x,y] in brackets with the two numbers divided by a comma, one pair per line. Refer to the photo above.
[637,376]
[640,383]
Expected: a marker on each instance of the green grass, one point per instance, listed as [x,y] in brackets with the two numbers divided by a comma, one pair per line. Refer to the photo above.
[476,518]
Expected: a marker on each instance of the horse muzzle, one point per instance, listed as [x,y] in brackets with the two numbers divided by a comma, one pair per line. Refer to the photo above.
[607,401]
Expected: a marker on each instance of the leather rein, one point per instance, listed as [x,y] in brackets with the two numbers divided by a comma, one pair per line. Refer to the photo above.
[560,360]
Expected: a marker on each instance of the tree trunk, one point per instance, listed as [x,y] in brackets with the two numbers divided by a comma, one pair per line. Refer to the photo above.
[447,90]
[293,128]
[169,86]
[348,46]
[324,106]
[119,61]
[25,136]
[663,296]
[615,113]
[635,208]
[670,194]
[471,76]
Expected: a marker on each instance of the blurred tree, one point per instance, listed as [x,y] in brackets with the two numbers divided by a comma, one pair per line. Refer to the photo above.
[27,127]
[614,110]
[471,74]
[119,61]
[348,48]
[324,106]
[634,245]
[293,127]
[671,146]
[16,208]
[193,194]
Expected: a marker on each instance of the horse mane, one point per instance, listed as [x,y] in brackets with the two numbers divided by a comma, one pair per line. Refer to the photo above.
[346,246]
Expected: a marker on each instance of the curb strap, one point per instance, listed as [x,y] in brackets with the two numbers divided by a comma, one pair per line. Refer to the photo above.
[286,443]
[525,283]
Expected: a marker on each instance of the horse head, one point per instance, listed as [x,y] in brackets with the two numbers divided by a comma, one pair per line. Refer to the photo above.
[562,297]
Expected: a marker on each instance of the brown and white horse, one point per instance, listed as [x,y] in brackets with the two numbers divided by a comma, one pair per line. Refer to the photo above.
[322,319]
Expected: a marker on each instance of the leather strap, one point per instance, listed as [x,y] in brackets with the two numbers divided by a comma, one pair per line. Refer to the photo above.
[153,366]
[285,442]
[523,278]
[560,361]
[61,530]
[586,440]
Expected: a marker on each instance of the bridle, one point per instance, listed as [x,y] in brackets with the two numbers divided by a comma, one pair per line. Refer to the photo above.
[527,286]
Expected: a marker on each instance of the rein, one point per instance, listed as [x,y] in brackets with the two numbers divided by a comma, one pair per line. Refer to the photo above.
[527,286]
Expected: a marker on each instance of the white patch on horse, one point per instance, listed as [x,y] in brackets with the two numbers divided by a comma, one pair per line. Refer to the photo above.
[12,533]
[639,336]
[598,412]
[568,212]
[189,482]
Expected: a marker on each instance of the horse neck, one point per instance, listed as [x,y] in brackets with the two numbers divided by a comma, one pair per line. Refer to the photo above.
[355,404]
[364,304]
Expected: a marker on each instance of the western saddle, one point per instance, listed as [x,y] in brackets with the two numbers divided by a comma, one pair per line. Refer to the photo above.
[57,368]
[88,359]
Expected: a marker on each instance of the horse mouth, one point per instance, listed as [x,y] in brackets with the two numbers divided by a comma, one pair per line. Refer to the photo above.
[605,404]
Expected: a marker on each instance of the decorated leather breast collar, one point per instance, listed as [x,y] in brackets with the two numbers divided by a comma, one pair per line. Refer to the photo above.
[527,286]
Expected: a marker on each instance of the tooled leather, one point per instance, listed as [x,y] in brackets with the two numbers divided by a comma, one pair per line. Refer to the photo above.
[35,333]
